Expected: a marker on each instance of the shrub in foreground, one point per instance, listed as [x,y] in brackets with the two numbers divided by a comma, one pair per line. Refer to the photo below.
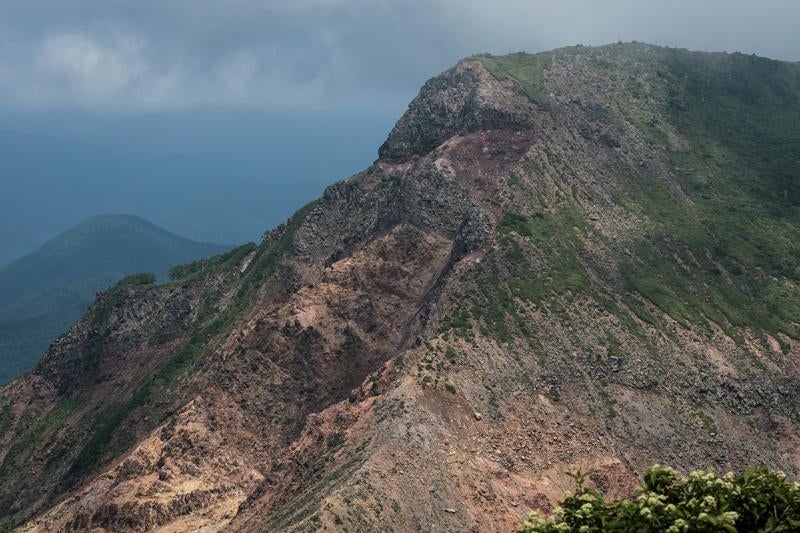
[756,500]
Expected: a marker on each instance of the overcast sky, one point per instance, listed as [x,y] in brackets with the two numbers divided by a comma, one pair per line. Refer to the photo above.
[136,55]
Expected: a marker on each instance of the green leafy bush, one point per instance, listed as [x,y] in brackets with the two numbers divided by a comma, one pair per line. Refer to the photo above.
[756,500]
[137,280]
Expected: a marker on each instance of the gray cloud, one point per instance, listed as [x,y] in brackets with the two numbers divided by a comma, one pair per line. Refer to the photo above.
[110,55]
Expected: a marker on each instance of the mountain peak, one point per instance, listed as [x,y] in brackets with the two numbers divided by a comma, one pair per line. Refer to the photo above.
[465,98]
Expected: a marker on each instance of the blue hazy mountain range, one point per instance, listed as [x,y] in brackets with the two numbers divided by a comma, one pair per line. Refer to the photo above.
[44,292]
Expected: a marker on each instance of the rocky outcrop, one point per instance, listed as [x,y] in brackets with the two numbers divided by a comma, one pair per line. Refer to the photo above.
[119,320]
[461,100]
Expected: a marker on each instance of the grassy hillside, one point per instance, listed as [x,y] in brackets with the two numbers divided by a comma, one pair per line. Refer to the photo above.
[740,170]
[724,244]
[527,70]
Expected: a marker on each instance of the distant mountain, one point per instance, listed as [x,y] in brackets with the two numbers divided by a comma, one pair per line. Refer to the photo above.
[44,292]
[13,245]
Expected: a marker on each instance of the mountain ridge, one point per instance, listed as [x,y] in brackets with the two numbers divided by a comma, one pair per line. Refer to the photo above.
[570,260]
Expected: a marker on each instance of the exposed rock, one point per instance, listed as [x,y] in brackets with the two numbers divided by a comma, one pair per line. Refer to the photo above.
[464,99]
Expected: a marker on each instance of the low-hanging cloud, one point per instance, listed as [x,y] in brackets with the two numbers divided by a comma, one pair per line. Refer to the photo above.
[113,69]
[112,55]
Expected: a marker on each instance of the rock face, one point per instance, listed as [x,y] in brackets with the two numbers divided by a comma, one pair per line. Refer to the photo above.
[514,290]
[465,99]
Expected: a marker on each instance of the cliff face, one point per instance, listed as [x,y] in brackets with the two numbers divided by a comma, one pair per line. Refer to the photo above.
[585,258]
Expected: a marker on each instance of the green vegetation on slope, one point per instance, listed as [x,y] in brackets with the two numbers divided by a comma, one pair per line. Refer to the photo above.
[722,243]
[525,69]
[738,242]
[25,443]
[537,262]
[555,235]
[218,263]
[142,279]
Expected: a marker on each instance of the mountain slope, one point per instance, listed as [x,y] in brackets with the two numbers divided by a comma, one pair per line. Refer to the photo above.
[44,292]
[583,258]
[13,246]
